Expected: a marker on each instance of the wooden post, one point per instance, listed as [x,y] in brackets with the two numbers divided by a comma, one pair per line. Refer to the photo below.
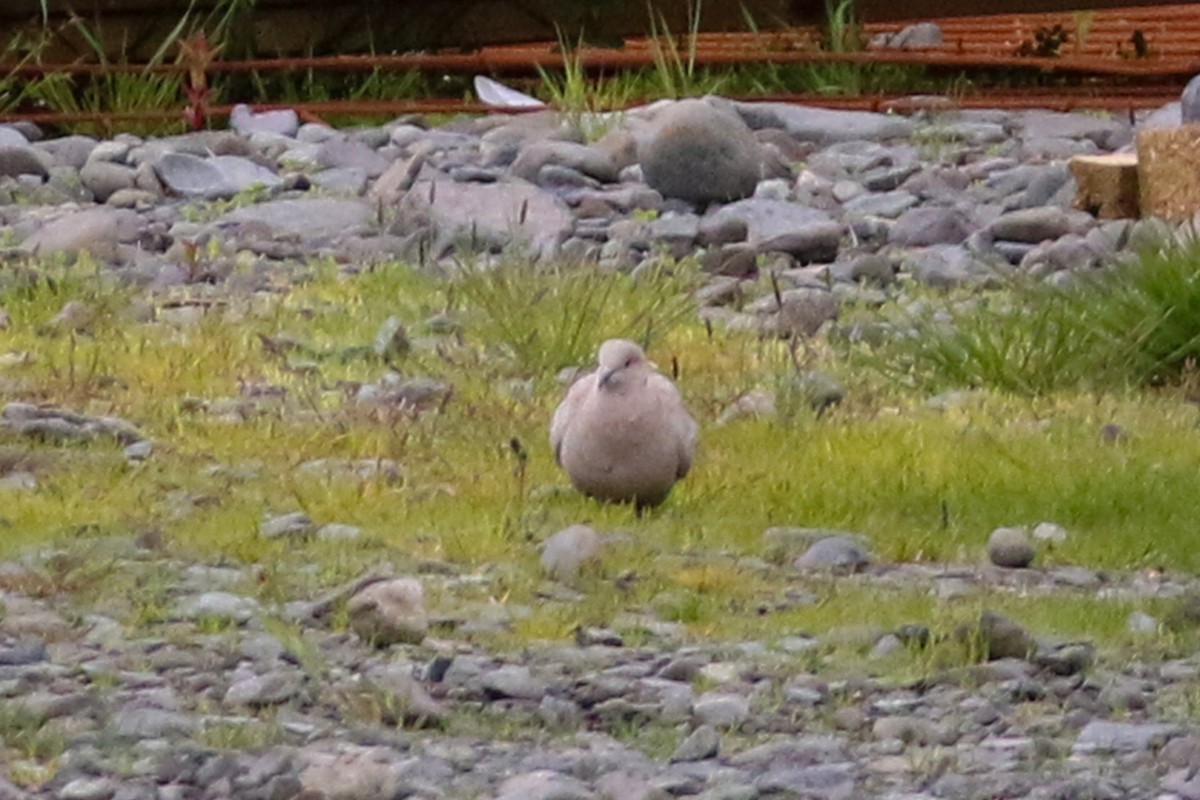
[1169,172]
[1107,185]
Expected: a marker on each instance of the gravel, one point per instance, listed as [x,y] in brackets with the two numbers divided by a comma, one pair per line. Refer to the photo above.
[406,684]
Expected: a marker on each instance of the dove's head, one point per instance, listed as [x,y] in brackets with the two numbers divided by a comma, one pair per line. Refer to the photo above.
[616,356]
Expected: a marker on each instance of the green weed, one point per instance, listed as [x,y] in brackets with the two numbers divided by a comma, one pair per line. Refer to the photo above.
[1135,325]
[565,306]
[590,106]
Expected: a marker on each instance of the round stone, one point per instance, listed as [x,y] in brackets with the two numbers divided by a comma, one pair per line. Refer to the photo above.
[1010,548]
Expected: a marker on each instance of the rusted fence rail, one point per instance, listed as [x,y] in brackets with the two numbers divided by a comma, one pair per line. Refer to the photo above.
[1117,59]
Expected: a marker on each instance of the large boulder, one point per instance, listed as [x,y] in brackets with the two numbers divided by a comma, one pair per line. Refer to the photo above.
[701,154]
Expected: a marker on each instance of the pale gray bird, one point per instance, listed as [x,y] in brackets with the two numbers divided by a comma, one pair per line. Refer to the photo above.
[622,433]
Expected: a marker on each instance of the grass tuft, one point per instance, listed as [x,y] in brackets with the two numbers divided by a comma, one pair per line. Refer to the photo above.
[563,309]
[1127,326]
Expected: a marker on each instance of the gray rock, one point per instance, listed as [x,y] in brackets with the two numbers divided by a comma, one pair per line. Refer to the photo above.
[1141,624]
[212,178]
[96,231]
[718,230]
[335,531]
[104,178]
[999,637]
[817,241]
[544,784]
[700,154]
[567,552]
[1010,548]
[1066,659]
[721,710]
[822,782]
[836,553]
[942,266]
[351,772]
[1106,131]
[506,215]
[390,611]
[282,122]
[803,312]
[1190,102]
[391,340]
[60,424]
[918,36]
[513,681]
[341,180]
[308,219]
[71,151]
[850,158]
[217,605]
[11,137]
[735,260]
[1102,736]
[1045,186]
[702,744]
[22,653]
[263,690]
[888,205]
[590,161]
[774,220]
[1031,225]
[296,525]
[929,225]
[866,267]
[813,389]
[823,125]
[22,160]
[908,729]
[88,789]
[151,723]
[385,470]
[340,153]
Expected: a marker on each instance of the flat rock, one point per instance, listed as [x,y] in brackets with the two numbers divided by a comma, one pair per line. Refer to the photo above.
[343,153]
[506,215]
[1102,736]
[1032,225]
[513,681]
[22,160]
[389,612]
[776,220]
[212,178]
[352,772]
[282,121]
[263,690]
[565,553]
[834,553]
[590,161]
[929,225]
[94,231]
[217,605]
[701,744]
[307,218]
[824,126]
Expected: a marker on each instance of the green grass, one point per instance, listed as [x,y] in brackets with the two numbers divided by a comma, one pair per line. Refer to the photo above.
[1108,330]
[921,485]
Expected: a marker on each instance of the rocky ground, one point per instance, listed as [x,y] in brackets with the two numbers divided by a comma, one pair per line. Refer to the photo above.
[366,694]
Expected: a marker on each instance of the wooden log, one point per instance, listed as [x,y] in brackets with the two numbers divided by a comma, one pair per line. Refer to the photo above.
[1107,185]
[1169,172]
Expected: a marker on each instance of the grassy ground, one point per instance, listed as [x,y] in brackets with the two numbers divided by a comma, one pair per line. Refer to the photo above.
[922,485]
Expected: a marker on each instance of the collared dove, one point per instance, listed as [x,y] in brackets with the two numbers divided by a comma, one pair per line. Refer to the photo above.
[622,433]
